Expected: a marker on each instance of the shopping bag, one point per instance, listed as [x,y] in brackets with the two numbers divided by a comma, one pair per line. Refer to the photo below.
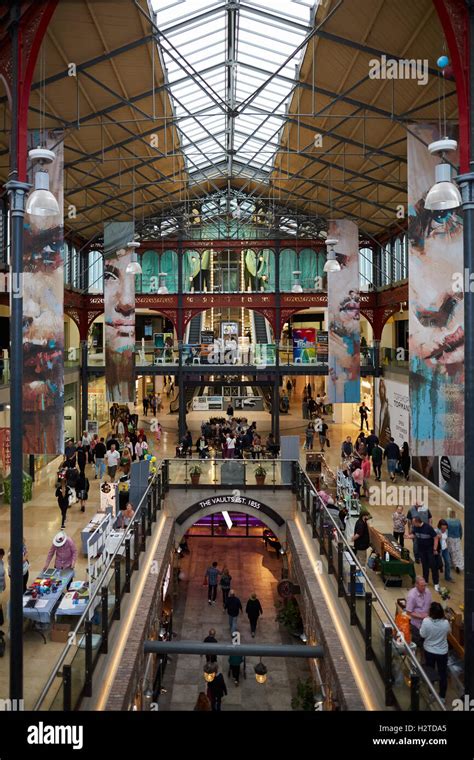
[328,443]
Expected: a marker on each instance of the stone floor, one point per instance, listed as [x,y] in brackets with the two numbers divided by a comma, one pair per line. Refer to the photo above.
[253,569]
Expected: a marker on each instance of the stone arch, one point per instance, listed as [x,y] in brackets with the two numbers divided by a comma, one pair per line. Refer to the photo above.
[266,514]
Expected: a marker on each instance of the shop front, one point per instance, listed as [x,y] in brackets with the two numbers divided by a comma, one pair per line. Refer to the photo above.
[366,396]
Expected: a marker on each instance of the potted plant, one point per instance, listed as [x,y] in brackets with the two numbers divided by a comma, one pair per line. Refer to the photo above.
[260,475]
[195,473]
[288,615]
[305,697]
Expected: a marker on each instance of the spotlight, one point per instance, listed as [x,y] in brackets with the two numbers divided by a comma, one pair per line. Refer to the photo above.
[296,288]
[41,201]
[162,290]
[304,638]
[134,266]
[444,194]
[332,264]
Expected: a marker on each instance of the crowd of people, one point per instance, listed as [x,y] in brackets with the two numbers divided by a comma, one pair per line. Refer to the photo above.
[230,437]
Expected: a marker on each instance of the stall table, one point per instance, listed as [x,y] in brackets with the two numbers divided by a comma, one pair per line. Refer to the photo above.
[93,524]
[45,604]
[66,607]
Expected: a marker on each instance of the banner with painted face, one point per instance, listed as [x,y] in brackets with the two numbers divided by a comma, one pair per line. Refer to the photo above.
[344,316]
[436,309]
[43,314]
[119,308]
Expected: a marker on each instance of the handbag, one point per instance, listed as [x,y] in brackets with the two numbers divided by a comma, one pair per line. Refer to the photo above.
[2,618]
[328,443]
[439,561]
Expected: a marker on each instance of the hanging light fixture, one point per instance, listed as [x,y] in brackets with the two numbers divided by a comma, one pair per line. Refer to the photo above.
[260,672]
[209,672]
[444,194]
[134,266]
[41,201]
[332,264]
[162,290]
[296,287]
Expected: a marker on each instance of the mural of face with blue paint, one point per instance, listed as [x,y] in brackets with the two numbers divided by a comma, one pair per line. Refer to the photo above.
[120,324]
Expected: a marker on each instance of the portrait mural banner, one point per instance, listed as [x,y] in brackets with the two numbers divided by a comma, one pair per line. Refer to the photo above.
[344,316]
[119,310]
[436,309]
[43,313]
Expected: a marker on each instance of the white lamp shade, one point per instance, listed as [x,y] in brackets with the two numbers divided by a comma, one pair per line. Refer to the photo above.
[133,267]
[41,202]
[444,194]
[296,288]
[332,265]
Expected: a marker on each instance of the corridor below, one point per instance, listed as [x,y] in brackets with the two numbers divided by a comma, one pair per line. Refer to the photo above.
[253,569]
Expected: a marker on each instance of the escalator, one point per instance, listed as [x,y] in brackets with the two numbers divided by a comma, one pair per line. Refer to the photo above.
[259,328]
[194,330]
[188,396]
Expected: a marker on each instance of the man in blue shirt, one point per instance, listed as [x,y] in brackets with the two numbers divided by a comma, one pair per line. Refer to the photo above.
[428,540]
[212,575]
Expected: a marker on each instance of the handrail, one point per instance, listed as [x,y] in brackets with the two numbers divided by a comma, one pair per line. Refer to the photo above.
[376,598]
[128,532]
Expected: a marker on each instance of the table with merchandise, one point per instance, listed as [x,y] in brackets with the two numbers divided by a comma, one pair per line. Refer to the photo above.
[43,596]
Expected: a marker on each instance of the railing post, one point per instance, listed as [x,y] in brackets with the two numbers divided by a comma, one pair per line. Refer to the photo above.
[314,517]
[414,692]
[148,514]
[369,655]
[330,556]
[245,473]
[128,565]
[88,674]
[352,593]
[67,688]
[321,533]
[340,569]
[388,634]
[117,588]
[143,532]
[136,546]
[104,599]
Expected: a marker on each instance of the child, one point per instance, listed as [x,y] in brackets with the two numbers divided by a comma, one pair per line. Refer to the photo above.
[399,521]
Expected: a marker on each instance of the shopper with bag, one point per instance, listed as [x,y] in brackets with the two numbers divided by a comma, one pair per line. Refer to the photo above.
[82,491]
[64,496]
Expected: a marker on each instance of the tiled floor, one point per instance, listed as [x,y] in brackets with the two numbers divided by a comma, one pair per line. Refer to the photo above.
[253,569]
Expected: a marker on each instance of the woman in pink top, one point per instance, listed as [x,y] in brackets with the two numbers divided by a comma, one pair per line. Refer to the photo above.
[366,474]
[358,478]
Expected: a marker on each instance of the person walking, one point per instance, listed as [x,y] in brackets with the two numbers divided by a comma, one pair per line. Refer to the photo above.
[100,452]
[216,690]
[253,609]
[211,639]
[304,408]
[364,415]
[210,579]
[309,433]
[405,460]
[361,535]
[425,514]
[377,458]
[225,581]
[145,403]
[86,444]
[370,442]
[434,632]
[112,459]
[235,661]
[366,475]
[399,521]
[428,541]
[323,432]
[230,441]
[392,455]
[455,540]
[442,532]
[233,607]
[63,495]
[82,490]
[81,458]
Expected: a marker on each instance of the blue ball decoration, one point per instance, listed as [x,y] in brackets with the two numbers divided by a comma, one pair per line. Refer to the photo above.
[442,61]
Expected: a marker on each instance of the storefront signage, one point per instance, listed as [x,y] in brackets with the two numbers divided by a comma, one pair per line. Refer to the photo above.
[218,501]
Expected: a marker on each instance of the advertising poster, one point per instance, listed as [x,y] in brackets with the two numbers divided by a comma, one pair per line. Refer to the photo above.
[392,411]
[451,477]
[43,315]
[119,308]
[322,346]
[207,345]
[436,309]
[304,343]
[344,316]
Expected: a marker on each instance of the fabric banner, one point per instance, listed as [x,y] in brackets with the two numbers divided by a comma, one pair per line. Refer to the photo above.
[119,308]
[392,411]
[344,316]
[436,309]
[43,314]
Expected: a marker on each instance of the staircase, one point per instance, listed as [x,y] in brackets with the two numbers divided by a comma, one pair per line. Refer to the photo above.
[259,331]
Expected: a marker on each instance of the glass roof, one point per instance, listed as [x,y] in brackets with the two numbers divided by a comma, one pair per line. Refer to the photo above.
[231,67]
